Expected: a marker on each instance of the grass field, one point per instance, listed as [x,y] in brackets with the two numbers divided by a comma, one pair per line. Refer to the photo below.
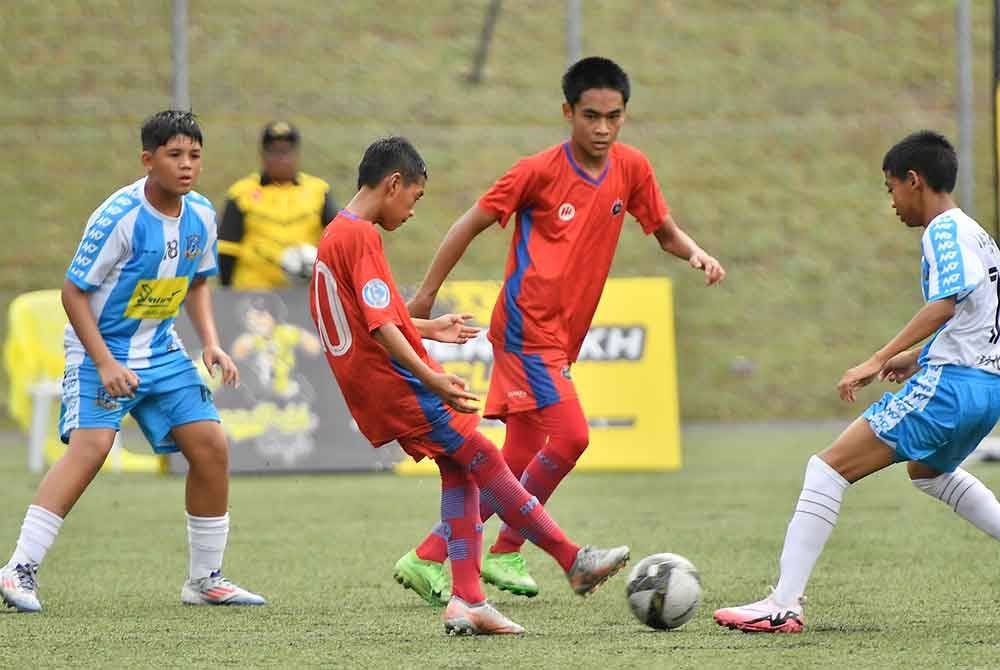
[766,123]
[904,583]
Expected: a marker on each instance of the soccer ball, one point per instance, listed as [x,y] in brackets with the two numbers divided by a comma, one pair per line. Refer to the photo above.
[297,261]
[664,591]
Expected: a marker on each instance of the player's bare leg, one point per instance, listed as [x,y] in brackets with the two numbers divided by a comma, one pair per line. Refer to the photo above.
[204,445]
[857,453]
[58,492]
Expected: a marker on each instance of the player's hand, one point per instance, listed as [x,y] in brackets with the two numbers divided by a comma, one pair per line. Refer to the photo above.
[858,377]
[455,392]
[900,367]
[118,380]
[214,357]
[451,328]
[714,272]
[420,306]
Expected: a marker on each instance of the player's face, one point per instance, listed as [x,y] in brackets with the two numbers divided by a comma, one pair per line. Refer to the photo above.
[596,120]
[905,199]
[175,166]
[280,160]
[400,201]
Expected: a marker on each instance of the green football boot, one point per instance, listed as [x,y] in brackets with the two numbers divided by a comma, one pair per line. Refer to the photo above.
[427,578]
[509,572]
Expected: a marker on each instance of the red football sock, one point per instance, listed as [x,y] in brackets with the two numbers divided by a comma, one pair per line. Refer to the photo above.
[566,428]
[518,508]
[525,438]
[462,530]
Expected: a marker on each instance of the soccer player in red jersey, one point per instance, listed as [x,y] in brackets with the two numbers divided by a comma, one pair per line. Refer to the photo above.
[396,391]
[569,204]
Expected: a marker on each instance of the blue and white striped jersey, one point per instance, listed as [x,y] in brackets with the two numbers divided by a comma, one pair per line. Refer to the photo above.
[960,259]
[137,264]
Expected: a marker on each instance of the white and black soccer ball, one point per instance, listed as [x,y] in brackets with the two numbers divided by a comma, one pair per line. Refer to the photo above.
[297,261]
[663,591]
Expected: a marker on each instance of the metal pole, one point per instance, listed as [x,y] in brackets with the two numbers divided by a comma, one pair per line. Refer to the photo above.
[574,31]
[996,121]
[181,95]
[966,156]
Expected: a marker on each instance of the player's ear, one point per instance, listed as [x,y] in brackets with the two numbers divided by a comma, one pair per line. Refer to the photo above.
[568,111]
[394,182]
[147,160]
[913,179]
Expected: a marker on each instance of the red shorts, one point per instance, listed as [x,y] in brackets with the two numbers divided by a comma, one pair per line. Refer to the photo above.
[443,440]
[523,382]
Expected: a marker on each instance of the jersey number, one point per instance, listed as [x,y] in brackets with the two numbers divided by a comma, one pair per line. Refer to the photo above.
[335,316]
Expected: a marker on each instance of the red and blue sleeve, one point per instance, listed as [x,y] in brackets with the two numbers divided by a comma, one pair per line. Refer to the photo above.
[510,193]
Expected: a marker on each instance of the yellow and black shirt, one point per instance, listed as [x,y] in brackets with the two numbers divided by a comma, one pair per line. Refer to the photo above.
[261,219]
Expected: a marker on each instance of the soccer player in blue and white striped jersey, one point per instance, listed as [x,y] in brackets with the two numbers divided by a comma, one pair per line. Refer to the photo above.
[146,251]
[951,399]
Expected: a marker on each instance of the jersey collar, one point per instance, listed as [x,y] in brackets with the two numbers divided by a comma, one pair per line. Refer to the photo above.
[586,177]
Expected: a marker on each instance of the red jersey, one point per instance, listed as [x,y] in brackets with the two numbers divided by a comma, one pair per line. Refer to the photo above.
[352,294]
[567,229]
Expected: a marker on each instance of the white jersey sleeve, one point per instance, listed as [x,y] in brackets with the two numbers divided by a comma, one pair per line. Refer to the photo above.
[953,268]
[106,242]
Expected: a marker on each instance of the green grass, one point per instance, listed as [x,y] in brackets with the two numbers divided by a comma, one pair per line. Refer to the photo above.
[903,583]
[766,123]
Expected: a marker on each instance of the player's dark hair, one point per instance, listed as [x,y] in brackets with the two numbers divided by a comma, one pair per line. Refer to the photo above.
[928,154]
[163,126]
[387,155]
[594,72]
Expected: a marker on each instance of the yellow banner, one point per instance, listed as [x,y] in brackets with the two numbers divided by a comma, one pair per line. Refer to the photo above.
[157,298]
[626,376]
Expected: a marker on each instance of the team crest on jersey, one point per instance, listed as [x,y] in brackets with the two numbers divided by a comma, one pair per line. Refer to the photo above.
[376,294]
[566,211]
[616,208]
[192,247]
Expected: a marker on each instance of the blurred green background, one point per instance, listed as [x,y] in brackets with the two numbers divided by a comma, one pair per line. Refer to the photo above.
[766,122]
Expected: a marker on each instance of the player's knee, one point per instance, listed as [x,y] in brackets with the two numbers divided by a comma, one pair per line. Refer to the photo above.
[210,454]
[94,445]
[574,442]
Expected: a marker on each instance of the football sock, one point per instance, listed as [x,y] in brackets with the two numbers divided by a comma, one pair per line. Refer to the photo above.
[810,527]
[519,509]
[968,496]
[38,532]
[524,438]
[461,528]
[207,537]
[568,435]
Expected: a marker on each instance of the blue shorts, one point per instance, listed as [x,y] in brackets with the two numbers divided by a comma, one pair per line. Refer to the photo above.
[169,394]
[939,417]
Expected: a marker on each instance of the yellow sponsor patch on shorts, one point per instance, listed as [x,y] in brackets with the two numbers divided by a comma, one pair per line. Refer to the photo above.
[157,298]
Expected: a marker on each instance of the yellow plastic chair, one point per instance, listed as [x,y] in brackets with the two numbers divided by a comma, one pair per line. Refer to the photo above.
[33,355]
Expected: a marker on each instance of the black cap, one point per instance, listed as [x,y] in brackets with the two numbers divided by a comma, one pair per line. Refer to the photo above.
[279,131]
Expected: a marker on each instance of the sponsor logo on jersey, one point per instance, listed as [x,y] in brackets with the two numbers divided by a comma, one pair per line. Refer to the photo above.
[157,298]
[192,247]
[566,211]
[616,208]
[376,294]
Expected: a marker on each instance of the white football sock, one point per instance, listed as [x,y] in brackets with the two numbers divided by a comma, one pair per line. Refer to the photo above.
[810,527]
[207,537]
[38,532]
[968,496]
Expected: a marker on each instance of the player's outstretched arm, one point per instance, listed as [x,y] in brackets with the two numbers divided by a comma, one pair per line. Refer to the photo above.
[455,242]
[117,379]
[198,305]
[675,241]
[449,328]
[924,323]
[450,388]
